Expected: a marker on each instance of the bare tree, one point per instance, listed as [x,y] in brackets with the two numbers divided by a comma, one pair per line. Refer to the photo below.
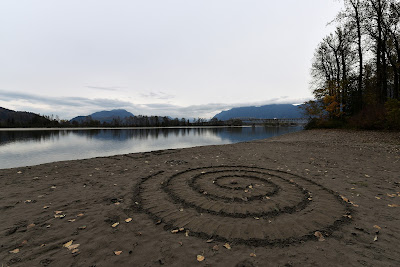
[354,14]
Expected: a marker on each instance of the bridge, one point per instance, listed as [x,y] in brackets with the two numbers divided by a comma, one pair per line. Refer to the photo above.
[274,121]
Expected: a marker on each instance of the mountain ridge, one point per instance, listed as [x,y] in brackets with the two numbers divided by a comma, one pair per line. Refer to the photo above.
[104,116]
[280,111]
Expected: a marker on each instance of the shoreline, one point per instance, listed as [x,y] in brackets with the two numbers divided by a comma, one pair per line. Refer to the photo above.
[350,176]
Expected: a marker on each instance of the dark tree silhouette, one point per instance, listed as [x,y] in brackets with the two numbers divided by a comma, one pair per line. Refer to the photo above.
[356,69]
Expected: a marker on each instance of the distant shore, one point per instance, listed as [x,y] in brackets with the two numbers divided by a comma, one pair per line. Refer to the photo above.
[118,128]
[319,197]
[134,128]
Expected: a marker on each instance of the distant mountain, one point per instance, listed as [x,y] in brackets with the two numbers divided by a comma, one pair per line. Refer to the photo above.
[104,116]
[11,118]
[280,111]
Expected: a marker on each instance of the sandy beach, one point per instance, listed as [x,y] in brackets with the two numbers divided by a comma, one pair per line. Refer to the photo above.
[311,198]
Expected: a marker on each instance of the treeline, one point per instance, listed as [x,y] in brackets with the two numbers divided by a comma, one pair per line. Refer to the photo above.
[356,69]
[133,121]
[148,121]
[30,120]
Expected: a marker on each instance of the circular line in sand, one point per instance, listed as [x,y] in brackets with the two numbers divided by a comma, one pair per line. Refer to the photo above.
[255,206]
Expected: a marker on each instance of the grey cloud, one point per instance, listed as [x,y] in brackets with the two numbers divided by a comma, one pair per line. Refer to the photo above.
[105,88]
[161,106]
[63,101]
[157,95]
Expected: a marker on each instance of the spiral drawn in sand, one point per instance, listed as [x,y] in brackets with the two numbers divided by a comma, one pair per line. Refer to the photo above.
[248,205]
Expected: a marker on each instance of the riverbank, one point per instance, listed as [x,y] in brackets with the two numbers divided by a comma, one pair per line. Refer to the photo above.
[247,204]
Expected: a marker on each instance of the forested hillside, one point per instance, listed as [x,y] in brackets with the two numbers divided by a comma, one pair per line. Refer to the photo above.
[10,118]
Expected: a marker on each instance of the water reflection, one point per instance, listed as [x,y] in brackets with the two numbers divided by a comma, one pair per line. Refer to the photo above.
[30,147]
[17,136]
[125,134]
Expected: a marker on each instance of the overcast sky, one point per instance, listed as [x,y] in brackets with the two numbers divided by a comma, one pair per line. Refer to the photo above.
[190,58]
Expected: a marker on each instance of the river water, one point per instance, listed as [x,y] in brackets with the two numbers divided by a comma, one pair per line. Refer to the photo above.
[26,147]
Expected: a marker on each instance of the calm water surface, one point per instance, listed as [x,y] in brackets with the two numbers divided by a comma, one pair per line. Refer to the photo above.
[30,147]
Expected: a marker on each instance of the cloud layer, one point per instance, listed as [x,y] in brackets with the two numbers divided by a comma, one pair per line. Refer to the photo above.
[69,107]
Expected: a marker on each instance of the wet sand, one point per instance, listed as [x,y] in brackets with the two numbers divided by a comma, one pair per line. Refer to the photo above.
[311,198]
